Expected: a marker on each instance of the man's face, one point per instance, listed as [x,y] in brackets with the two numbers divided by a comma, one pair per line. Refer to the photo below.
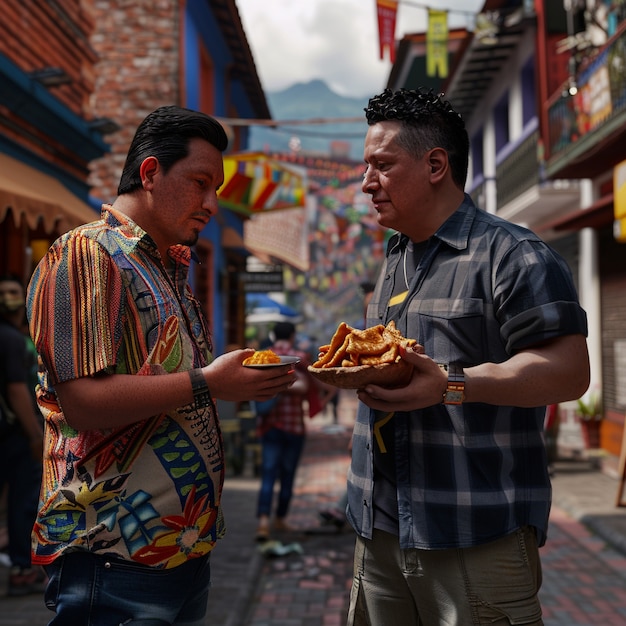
[11,296]
[394,178]
[185,198]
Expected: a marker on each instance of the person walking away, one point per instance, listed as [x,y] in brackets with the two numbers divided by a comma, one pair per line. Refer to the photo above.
[282,435]
[21,437]
[448,488]
[133,458]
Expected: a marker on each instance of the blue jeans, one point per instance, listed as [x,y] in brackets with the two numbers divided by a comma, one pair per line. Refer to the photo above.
[94,590]
[280,455]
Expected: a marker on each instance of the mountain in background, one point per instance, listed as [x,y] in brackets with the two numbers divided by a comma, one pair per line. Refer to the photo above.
[304,101]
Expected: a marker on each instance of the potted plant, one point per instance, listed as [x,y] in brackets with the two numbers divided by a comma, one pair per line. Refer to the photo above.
[589,411]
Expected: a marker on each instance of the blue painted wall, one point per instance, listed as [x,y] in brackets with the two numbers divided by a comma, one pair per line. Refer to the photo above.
[201,27]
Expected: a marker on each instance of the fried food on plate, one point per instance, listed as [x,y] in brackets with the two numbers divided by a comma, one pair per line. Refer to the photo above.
[355,358]
[262,357]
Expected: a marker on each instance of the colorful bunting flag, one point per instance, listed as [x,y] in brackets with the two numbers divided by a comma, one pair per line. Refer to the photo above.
[255,183]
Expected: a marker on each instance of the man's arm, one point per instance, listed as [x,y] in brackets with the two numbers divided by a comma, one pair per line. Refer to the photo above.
[113,401]
[553,372]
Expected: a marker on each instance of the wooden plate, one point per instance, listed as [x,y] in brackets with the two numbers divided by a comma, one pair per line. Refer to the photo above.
[386,375]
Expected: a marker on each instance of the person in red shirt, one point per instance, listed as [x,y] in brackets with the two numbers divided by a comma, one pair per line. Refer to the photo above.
[282,435]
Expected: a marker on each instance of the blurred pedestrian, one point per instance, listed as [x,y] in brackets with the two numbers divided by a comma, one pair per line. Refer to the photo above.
[21,437]
[448,489]
[133,462]
[282,432]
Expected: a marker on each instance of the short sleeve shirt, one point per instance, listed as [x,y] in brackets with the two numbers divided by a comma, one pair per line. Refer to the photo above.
[288,413]
[100,303]
[483,289]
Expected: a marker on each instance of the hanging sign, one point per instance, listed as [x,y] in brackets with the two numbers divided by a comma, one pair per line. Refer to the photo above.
[437,44]
[387,11]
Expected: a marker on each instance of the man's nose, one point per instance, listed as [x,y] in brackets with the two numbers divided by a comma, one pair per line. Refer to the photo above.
[369,180]
[211,203]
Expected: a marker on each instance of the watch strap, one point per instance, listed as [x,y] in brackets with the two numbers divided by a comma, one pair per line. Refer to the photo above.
[455,390]
[201,392]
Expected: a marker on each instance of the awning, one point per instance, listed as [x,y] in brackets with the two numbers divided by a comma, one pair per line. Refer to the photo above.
[38,196]
[255,183]
[599,214]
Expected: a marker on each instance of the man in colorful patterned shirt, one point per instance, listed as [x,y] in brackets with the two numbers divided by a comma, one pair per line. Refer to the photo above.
[448,488]
[133,459]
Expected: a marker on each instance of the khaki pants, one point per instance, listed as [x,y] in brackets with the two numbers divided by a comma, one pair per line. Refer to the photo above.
[495,583]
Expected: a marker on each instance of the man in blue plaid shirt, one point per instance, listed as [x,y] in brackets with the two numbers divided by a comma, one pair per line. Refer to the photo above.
[449,490]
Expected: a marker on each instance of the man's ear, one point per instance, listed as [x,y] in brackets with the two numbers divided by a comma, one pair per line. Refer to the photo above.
[147,170]
[438,164]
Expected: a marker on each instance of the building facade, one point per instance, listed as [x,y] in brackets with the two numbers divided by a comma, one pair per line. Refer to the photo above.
[48,128]
[120,60]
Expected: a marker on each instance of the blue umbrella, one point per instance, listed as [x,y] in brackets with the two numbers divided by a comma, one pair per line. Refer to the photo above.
[261,305]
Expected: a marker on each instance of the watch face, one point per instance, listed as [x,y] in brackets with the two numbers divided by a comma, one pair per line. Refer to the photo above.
[453,397]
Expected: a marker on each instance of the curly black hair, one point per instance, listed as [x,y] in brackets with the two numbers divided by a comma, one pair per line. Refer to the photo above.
[428,121]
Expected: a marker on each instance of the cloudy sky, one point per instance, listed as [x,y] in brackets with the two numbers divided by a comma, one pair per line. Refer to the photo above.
[334,40]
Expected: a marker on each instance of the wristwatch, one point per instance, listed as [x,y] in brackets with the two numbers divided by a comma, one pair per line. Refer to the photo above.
[455,391]
[201,393]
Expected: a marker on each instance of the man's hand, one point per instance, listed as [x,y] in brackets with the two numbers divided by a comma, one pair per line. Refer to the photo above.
[229,379]
[425,388]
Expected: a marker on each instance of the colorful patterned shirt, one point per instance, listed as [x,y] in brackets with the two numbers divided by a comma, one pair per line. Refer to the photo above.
[101,302]
[482,290]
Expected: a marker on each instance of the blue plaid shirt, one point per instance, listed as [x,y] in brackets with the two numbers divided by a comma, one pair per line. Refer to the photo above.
[465,475]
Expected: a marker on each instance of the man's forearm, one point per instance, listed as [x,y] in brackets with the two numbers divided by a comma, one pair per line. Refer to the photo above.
[114,401]
[554,373]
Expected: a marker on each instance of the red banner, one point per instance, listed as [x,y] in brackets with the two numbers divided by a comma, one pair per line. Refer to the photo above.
[387,11]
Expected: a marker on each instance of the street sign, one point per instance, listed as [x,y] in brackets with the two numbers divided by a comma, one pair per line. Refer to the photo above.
[262,282]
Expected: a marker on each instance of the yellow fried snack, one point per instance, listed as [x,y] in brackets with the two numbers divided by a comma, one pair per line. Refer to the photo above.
[350,347]
[262,357]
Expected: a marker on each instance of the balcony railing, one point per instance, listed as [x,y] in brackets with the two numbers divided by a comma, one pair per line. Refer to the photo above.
[600,97]
[518,171]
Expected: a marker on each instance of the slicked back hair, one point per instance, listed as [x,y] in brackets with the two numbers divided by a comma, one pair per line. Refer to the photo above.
[165,134]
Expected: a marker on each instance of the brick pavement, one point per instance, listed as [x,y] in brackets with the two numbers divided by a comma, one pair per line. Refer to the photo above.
[584,571]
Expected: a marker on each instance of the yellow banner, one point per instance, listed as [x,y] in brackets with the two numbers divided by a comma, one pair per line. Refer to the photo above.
[437,44]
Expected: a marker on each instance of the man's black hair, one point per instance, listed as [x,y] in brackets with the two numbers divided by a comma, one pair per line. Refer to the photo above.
[10,277]
[428,121]
[284,330]
[165,134]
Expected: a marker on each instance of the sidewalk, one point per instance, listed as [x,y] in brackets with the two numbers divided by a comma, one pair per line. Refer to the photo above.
[309,586]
